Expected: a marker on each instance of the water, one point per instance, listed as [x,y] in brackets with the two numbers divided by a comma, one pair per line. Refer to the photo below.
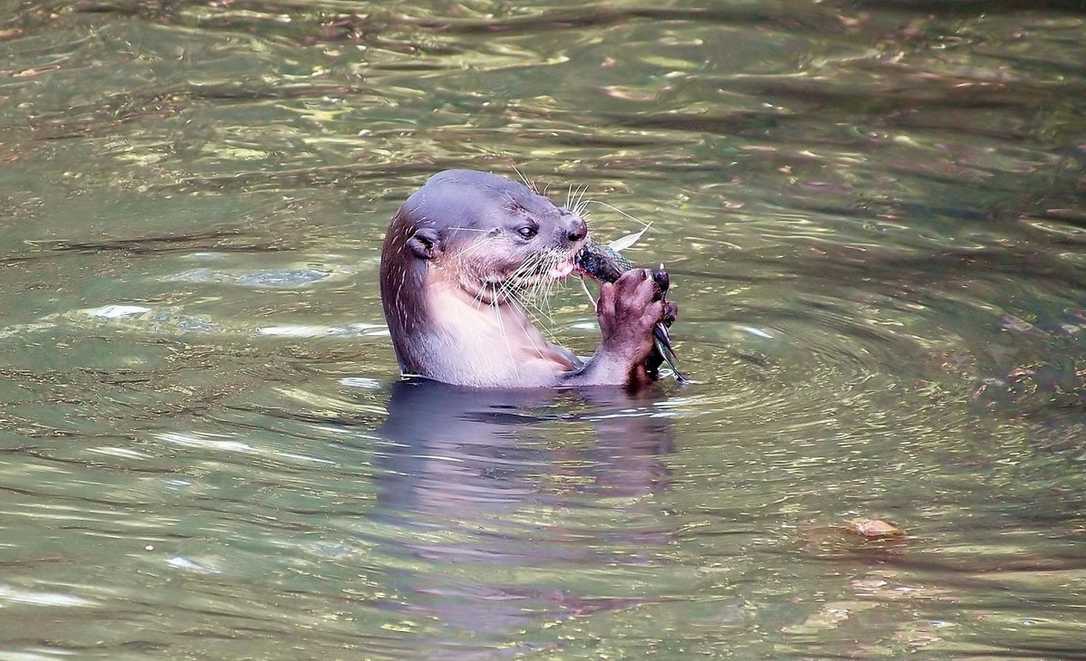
[873,216]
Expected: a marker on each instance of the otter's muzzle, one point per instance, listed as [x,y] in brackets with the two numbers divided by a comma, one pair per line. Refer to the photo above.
[573,229]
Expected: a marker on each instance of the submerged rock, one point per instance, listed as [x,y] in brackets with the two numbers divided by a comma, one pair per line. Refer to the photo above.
[270,279]
[873,528]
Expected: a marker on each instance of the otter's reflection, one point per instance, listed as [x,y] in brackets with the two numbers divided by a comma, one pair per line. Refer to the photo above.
[486,487]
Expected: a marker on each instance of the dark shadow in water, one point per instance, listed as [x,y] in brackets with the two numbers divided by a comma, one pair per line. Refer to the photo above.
[972,7]
[463,474]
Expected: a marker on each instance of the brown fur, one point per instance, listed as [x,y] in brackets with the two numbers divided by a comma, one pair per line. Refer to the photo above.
[449,323]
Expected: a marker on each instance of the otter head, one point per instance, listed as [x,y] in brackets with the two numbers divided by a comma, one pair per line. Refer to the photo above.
[490,237]
[494,236]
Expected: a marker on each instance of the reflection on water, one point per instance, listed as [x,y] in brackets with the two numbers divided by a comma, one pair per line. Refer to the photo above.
[469,479]
[873,217]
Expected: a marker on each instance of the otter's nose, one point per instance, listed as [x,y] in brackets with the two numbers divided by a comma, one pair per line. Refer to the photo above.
[576,230]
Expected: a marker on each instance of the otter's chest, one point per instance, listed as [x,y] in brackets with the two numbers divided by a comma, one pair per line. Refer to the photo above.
[491,344]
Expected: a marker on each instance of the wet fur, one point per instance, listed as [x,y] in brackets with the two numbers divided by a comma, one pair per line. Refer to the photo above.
[456,232]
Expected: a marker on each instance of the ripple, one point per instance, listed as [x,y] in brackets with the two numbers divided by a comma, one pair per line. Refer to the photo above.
[13,595]
[218,443]
[187,565]
[116,311]
[309,330]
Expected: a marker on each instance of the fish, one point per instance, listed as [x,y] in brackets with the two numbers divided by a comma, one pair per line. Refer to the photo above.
[605,264]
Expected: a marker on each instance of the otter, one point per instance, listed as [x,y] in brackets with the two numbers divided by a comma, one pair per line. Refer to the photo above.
[458,259]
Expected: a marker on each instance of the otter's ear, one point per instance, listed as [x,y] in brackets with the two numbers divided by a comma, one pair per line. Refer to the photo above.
[424,243]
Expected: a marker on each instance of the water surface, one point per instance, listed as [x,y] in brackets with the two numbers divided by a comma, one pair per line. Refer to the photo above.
[873,216]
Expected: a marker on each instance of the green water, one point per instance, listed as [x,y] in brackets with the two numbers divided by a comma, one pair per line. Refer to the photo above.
[873,214]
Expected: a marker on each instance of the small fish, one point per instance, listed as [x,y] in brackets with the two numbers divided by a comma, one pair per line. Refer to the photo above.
[606,264]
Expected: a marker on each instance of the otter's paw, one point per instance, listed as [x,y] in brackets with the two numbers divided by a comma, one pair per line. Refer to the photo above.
[629,309]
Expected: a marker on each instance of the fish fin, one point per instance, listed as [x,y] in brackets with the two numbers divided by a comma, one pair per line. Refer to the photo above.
[624,242]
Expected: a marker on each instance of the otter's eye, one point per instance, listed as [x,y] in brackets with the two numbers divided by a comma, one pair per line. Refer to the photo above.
[527,232]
